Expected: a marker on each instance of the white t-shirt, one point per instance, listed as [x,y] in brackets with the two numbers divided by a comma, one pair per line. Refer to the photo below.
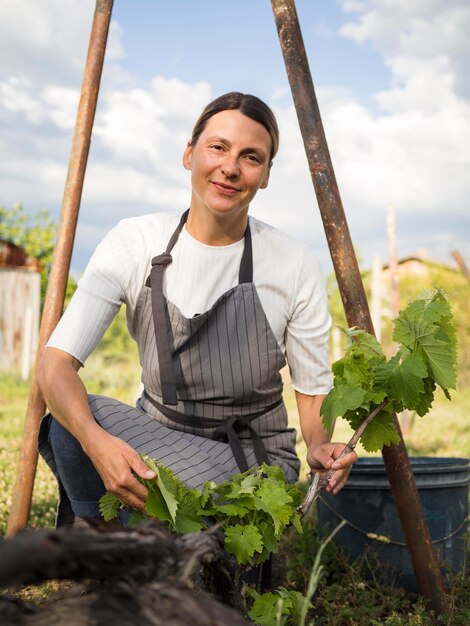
[286,274]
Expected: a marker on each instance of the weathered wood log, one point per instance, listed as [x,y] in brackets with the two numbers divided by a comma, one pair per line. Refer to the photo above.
[144,553]
[126,604]
[141,571]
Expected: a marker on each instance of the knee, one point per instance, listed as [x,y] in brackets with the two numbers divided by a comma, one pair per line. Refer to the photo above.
[60,438]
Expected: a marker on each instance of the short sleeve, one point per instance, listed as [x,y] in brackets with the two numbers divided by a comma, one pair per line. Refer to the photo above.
[99,295]
[308,328]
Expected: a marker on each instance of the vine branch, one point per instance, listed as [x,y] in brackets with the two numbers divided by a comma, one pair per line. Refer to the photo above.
[321,479]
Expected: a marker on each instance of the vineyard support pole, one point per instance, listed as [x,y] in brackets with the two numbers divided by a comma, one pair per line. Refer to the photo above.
[461,263]
[55,295]
[405,493]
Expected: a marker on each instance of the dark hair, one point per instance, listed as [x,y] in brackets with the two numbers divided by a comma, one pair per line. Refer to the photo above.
[251,106]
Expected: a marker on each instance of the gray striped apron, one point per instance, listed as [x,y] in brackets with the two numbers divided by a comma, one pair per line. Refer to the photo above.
[215,375]
[212,402]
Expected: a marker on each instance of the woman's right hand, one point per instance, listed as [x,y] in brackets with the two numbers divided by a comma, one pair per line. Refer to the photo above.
[115,461]
[67,400]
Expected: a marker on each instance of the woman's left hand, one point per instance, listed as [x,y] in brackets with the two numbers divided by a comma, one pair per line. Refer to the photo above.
[324,457]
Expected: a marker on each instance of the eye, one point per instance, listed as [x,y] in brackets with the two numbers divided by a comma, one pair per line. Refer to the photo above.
[253,158]
[216,146]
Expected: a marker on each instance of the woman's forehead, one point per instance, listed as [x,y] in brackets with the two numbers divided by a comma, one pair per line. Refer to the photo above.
[237,125]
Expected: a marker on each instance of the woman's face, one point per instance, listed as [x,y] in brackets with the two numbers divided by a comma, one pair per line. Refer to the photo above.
[228,163]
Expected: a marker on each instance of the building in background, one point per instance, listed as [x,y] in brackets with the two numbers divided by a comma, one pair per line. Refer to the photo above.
[20,304]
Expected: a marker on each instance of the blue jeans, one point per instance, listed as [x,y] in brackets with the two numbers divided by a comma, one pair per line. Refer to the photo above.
[79,478]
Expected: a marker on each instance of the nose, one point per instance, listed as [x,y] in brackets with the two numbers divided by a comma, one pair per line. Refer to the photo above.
[230,167]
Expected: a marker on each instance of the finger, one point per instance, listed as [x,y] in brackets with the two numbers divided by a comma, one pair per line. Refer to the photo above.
[346,461]
[318,458]
[123,483]
[132,493]
[129,498]
[139,467]
[337,481]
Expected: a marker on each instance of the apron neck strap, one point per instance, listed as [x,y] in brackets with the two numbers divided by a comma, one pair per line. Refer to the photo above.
[245,274]
[176,234]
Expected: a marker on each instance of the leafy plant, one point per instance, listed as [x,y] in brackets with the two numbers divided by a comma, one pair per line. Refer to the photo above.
[365,381]
[254,508]
[281,608]
[288,607]
[368,388]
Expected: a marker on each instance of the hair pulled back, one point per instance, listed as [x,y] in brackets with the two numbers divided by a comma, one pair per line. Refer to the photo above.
[249,105]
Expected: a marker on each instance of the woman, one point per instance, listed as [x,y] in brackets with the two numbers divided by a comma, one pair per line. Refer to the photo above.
[216,302]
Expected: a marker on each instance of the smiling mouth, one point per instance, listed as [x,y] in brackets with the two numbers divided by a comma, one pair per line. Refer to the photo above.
[228,189]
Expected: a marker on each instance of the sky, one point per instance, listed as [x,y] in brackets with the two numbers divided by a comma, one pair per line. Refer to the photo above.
[391,78]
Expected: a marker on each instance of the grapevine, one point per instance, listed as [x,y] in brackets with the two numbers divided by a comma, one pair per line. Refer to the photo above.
[254,508]
[368,388]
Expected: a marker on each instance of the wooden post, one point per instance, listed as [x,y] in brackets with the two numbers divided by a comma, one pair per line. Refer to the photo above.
[376,296]
[461,263]
[55,295]
[349,279]
[393,265]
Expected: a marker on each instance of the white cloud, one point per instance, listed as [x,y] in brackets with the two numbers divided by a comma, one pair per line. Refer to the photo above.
[424,31]
[150,125]
[411,150]
[16,98]
[40,38]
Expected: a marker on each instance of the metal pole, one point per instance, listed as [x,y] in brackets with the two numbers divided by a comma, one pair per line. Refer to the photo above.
[349,279]
[54,302]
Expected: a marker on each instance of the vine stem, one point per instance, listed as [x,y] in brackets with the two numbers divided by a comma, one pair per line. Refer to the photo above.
[321,479]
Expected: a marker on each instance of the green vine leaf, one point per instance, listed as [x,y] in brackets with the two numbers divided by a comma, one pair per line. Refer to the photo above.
[439,357]
[342,398]
[403,378]
[265,608]
[162,500]
[380,432]
[188,516]
[109,506]
[136,517]
[426,326]
[243,542]
[274,500]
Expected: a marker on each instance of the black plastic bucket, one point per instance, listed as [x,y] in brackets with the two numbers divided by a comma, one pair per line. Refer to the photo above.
[366,503]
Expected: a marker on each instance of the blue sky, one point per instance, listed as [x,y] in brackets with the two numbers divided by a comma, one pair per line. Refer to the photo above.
[391,79]
[239,49]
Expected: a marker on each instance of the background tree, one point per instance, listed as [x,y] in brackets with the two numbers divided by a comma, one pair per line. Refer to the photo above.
[36,235]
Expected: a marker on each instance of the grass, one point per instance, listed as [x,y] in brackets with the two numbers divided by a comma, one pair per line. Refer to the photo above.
[13,403]
[344,595]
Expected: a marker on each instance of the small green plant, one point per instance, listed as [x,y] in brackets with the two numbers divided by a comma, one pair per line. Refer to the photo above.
[254,508]
[288,607]
[281,608]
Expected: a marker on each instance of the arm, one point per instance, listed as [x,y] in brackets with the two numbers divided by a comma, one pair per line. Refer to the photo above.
[66,398]
[321,453]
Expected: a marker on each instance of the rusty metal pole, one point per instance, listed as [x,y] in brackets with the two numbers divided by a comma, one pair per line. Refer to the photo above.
[54,302]
[349,279]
